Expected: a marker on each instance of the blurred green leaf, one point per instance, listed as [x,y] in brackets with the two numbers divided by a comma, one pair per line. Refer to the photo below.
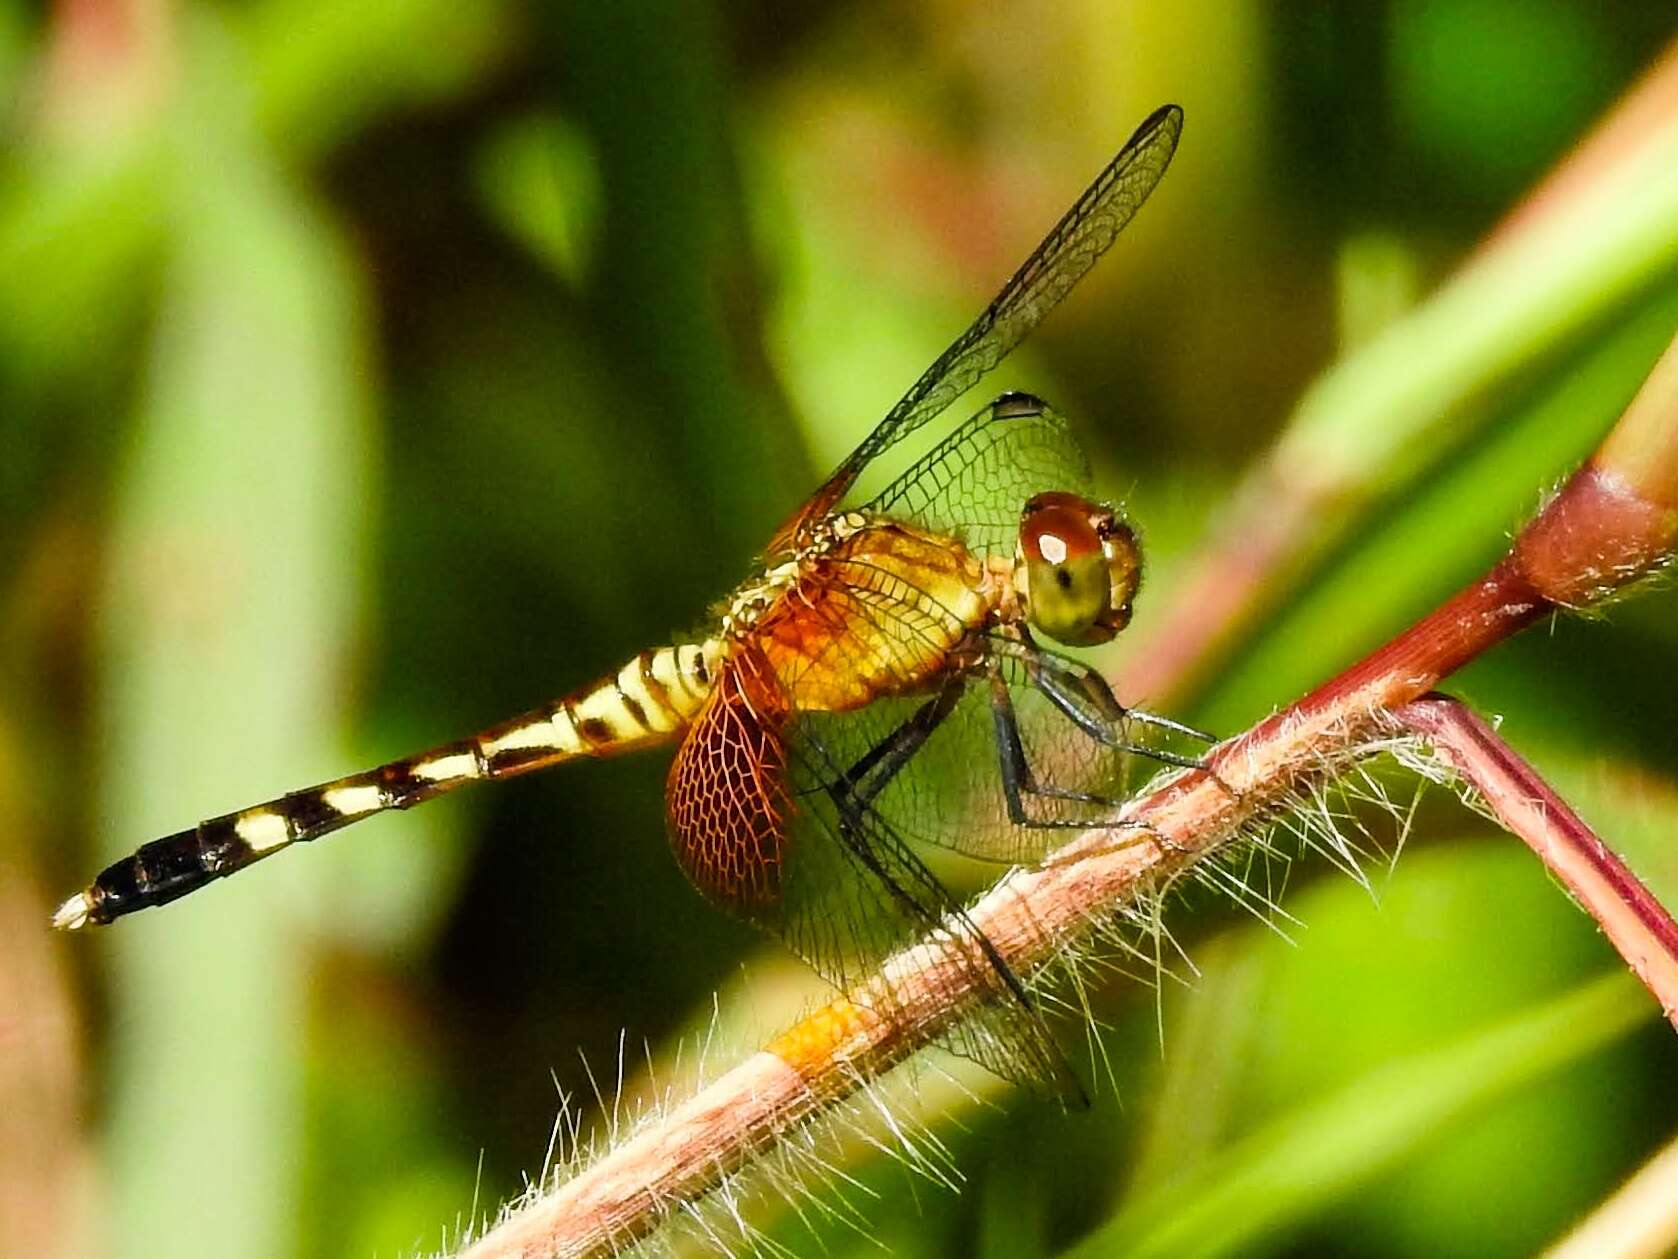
[1286,1171]
[1488,89]
[1453,527]
[323,70]
[78,234]
[538,177]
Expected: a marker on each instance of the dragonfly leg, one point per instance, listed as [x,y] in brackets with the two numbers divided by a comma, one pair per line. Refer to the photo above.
[1067,684]
[854,792]
[904,878]
[851,796]
[873,772]
[1082,694]
[1020,782]
[1084,698]
[1018,779]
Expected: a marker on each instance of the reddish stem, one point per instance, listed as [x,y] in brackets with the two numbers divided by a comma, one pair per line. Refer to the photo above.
[1601,528]
[1631,917]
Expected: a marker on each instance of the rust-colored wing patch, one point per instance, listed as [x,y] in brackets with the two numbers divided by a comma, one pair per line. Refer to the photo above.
[727,800]
[877,615]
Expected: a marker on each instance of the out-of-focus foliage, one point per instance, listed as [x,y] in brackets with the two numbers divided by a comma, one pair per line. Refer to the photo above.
[371,372]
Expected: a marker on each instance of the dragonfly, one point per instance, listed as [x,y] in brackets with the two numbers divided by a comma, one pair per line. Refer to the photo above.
[881,680]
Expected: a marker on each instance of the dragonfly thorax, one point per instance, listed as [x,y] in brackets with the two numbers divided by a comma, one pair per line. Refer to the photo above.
[741,611]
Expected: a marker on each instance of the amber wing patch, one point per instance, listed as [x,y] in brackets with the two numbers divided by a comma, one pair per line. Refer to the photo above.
[878,615]
[726,799]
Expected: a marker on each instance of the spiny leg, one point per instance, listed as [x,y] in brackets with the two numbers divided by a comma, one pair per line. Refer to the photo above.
[1019,781]
[1067,683]
[876,768]
[853,795]
[913,888]
[852,830]
[649,699]
[1084,697]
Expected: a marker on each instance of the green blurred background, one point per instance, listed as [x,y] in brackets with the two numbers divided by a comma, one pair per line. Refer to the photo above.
[372,372]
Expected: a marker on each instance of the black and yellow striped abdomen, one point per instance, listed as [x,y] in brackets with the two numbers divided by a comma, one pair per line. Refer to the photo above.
[648,701]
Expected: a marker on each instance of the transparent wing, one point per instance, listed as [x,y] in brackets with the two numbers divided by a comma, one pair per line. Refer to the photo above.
[754,825]
[854,893]
[951,793]
[973,484]
[1083,234]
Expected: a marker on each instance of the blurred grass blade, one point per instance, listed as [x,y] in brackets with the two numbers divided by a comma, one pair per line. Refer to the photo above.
[1381,415]
[1293,1167]
[1411,560]
[77,232]
[1640,1221]
[43,1066]
[237,527]
[539,179]
[323,71]
[81,224]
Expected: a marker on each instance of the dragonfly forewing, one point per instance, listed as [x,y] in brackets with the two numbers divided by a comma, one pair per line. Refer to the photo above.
[1065,256]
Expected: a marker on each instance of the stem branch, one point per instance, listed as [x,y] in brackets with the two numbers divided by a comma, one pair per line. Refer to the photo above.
[1611,523]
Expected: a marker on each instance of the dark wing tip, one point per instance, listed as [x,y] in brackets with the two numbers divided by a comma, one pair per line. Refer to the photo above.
[1161,129]
[1015,405]
[1165,114]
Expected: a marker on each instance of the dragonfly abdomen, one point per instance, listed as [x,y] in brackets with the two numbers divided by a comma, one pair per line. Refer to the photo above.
[648,701]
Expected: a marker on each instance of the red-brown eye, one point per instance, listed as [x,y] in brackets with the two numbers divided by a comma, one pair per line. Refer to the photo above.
[1056,527]
[1081,567]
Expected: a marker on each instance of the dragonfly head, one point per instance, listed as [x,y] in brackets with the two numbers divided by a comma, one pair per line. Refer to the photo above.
[1079,565]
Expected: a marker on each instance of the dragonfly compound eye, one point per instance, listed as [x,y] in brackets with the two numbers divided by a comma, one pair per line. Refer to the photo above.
[1081,565]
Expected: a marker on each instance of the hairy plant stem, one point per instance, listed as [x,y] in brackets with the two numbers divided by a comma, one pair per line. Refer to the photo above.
[1610,524]
[1630,916]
